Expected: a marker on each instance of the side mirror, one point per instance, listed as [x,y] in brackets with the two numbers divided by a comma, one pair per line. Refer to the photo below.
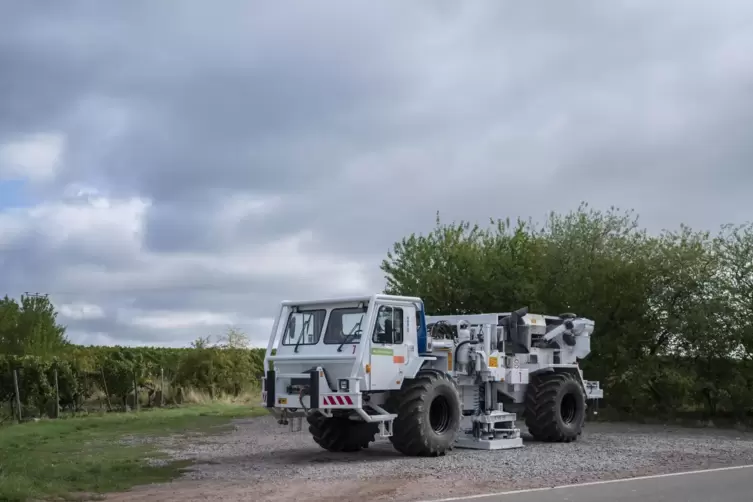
[388,331]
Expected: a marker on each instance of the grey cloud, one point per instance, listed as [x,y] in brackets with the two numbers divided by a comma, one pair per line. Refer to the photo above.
[244,92]
[245,299]
[362,120]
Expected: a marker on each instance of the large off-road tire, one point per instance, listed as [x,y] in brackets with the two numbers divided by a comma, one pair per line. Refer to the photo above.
[340,434]
[429,411]
[555,407]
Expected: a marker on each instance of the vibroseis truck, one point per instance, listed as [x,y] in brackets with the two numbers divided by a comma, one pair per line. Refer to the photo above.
[361,366]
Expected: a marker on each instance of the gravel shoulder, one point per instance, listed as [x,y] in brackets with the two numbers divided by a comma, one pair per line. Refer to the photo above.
[262,461]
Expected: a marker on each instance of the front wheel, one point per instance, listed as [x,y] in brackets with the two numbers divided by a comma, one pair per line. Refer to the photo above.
[340,434]
[429,411]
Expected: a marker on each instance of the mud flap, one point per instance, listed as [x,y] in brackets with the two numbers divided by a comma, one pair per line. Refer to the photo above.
[314,389]
[269,387]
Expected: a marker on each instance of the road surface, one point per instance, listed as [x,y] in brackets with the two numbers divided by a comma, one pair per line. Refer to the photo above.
[731,484]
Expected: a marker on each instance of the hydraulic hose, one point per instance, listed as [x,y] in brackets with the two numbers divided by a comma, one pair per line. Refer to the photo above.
[302,393]
[455,359]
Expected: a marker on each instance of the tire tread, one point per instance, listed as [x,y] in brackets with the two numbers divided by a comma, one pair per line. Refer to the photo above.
[339,434]
[409,405]
[541,408]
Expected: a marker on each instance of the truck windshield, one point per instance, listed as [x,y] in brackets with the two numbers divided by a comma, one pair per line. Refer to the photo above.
[304,327]
[345,324]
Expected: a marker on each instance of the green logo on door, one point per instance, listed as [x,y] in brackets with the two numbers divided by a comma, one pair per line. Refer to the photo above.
[381,352]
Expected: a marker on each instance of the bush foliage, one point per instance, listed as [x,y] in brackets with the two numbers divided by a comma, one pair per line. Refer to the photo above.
[673,311]
[34,346]
[111,371]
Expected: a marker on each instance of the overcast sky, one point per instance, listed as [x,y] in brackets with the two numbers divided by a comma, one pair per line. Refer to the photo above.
[169,168]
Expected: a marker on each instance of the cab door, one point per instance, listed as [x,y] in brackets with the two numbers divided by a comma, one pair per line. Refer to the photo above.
[389,350]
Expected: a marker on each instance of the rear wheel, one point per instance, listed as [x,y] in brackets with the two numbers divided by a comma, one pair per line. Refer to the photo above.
[428,412]
[340,434]
[555,407]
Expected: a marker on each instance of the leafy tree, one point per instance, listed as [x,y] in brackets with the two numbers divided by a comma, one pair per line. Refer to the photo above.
[202,342]
[30,327]
[233,339]
[673,311]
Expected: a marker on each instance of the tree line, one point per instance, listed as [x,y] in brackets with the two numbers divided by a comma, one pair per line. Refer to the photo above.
[673,310]
[37,357]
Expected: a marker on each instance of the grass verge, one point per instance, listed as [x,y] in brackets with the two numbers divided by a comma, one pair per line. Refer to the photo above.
[63,459]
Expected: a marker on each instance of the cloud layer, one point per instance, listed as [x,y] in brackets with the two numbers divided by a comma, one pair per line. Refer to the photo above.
[167,170]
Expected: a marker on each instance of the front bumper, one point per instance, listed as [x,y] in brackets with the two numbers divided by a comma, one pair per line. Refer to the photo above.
[314,394]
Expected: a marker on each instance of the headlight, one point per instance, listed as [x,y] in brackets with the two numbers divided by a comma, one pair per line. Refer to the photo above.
[344,385]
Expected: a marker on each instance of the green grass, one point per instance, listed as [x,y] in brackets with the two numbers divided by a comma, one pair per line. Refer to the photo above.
[77,457]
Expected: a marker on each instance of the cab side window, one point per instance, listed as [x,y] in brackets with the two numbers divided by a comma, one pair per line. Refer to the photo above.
[389,325]
[397,325]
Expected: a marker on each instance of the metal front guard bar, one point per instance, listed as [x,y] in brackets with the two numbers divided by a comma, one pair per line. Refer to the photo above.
[319,396]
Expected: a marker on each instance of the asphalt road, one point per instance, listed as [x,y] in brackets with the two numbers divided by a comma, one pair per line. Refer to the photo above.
[722,485]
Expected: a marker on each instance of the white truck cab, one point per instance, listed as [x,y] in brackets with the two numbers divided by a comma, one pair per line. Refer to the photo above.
[360,344]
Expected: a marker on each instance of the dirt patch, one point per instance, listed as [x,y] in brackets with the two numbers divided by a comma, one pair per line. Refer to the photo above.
[262,462]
